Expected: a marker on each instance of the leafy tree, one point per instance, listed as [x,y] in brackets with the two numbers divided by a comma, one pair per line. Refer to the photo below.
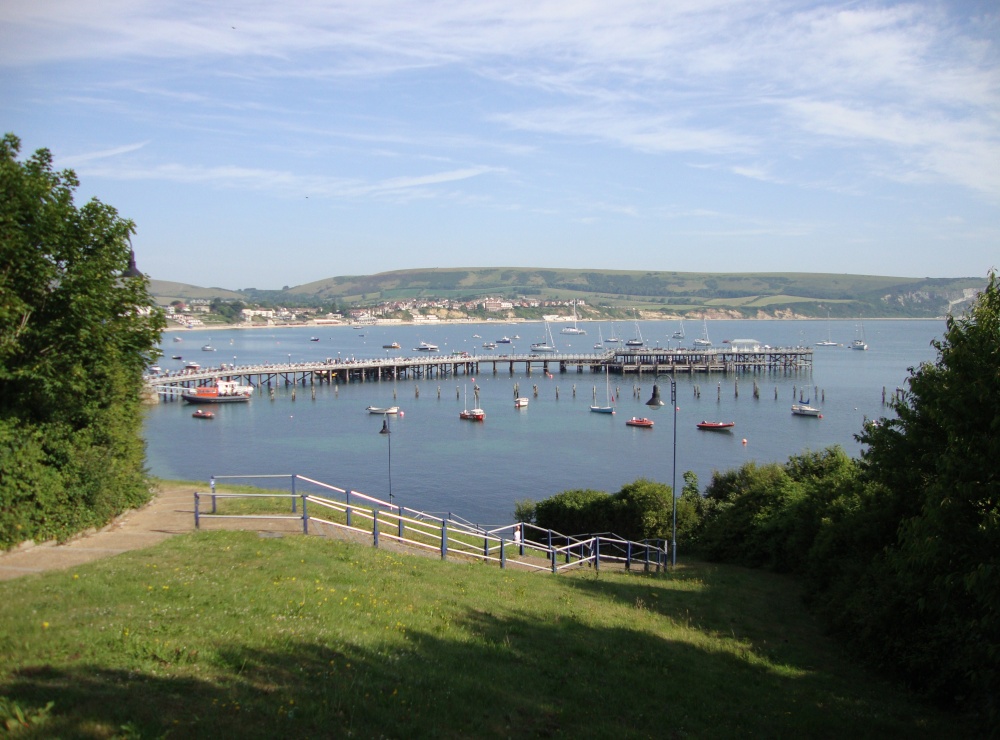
[934,586]
[76,333]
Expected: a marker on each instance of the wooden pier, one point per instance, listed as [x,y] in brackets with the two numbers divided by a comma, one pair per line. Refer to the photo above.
[640,361]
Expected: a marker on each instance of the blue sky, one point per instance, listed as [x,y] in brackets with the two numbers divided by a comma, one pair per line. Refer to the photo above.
[263,144]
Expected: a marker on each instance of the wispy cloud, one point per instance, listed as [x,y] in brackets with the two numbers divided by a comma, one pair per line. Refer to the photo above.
[75,160]
[285,183]
[776,80]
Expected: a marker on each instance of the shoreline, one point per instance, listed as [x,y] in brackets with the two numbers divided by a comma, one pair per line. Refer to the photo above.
[477,322]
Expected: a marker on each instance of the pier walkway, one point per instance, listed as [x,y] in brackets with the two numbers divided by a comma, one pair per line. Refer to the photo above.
[638,361]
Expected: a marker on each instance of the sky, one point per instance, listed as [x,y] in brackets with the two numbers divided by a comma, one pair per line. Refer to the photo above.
[264,144]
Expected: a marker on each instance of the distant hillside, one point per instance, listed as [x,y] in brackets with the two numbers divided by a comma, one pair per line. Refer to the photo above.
[611,292]
[165,292]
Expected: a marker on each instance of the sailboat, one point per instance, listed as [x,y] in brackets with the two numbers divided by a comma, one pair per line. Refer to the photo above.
[828,342]
[573,329]
[609,407]
[859,342]
[614,338]
[599,344]
[546,345]
[637,340]
[476,414]
[703,340]
[679,334]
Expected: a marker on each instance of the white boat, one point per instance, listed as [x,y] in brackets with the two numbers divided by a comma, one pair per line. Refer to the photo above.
[208,348]
[637,340]
[489,345]
[503,340]
[476,414]
[609,407]
[426,347]
[573,329]
[382,409]
[599,344]
[521,402]
[178,339]
[703,340]
[614,338]
[804,409]
[679,334]
[546,345]
[859,341]
[828,342]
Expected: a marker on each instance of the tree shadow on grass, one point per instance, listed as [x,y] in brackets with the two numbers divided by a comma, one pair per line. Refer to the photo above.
[482,675]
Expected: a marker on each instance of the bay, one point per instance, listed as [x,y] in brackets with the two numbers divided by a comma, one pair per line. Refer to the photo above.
[440,464]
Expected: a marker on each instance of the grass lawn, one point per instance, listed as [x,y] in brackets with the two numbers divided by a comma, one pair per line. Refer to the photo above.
[230,634]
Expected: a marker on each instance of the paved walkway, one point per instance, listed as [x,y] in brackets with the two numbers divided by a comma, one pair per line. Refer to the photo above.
[170,512]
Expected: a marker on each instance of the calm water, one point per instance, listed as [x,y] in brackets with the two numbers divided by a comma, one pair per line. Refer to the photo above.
[442,464]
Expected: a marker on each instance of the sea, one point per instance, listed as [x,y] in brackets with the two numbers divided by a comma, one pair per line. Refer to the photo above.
[436,463]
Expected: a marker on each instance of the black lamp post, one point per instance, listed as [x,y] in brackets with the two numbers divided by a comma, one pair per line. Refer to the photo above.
[655,403]
[388,435]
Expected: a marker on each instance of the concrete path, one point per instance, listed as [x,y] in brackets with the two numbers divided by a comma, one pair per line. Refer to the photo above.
[170,512]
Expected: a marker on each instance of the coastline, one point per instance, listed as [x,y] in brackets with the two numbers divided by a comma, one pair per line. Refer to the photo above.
[448,322]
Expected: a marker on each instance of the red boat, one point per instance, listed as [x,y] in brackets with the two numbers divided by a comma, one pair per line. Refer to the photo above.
[716,425]
[472,415]
[202,414]
[224,391]
[636,421]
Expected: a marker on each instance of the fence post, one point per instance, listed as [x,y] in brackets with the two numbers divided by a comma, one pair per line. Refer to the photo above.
[197,524]
[399,514]
[375,526]
[293,493]
[552,553]
[348,502]
[597,553]
[503,554]
[628,556]
[486,546]
[646,569]
[305,516]
[444,539]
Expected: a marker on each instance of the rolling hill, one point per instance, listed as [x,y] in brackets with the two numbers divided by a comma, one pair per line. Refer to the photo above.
[608,292]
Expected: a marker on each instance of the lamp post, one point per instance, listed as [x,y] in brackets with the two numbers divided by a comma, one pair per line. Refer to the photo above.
[388,435]
[655,403]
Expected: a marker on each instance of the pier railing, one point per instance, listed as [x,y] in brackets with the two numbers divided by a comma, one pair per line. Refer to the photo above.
[522,545]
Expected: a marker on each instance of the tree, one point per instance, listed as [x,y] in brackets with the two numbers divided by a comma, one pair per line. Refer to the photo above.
[938,576]
[76,332]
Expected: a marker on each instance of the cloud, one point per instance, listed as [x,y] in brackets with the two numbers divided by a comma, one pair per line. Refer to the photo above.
[774,80]
[75,160]
[285,183]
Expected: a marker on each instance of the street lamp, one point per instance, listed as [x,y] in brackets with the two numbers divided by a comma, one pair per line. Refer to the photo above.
[655,403]
[388,435]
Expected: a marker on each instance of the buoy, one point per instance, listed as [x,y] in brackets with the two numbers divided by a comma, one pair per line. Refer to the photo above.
[401,414]
[821,416]
[744,441]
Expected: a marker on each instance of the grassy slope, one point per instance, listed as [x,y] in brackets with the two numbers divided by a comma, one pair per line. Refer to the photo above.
[229,634]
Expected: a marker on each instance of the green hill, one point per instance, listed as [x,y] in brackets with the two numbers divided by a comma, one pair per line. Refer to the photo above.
[746,295]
